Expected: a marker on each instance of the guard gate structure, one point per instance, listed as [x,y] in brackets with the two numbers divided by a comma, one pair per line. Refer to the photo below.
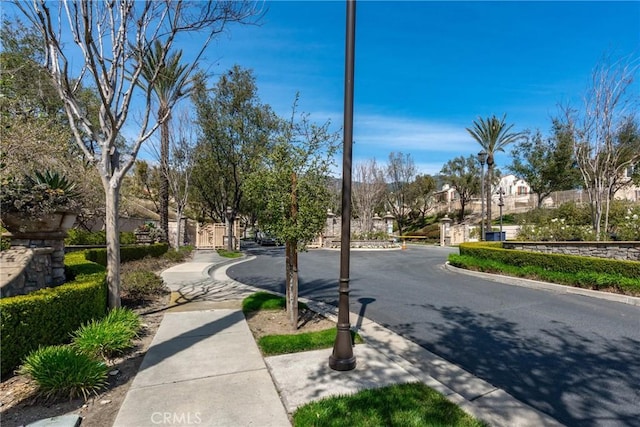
[214,236]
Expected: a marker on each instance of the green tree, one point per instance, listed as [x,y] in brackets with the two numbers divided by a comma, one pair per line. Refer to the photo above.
[463,175]
[34,130]
[170,81]
[291,193]
[421,195]
[401,171]
[236,132]
[493,135]
[546,165]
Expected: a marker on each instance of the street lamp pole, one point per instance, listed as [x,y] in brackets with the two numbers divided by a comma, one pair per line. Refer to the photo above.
[230,245]
[500,204]
[482,157]
[342,358]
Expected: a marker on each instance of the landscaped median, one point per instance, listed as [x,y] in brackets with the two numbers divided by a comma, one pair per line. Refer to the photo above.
[409,404]
[584,272]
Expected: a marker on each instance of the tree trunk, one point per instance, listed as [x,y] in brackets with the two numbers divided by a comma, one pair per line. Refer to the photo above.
[291,251]
[164,176]
[462,208]
[178,229]
[292,260]
[113,244]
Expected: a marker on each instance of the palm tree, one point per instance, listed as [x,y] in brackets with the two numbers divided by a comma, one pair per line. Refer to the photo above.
[170,81]
[493,135]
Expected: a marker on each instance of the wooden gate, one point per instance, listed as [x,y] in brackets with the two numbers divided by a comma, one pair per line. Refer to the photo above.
[214,236]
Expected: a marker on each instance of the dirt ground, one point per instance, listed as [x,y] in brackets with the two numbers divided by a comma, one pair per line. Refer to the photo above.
[20,405]
[276,322]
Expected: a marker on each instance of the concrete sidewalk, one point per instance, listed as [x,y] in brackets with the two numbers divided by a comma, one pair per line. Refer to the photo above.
[204,367]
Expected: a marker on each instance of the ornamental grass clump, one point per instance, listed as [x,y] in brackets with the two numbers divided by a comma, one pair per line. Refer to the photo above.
[108,337]
[61,371]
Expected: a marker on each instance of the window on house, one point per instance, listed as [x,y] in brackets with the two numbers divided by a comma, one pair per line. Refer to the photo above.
[522,190]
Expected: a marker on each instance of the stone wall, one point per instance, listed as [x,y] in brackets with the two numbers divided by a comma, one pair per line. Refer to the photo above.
[614,250]
[34,261]
[26,270]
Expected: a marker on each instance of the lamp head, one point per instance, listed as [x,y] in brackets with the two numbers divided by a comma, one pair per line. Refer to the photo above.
[482,157]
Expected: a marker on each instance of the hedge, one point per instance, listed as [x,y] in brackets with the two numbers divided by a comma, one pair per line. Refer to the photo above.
[127,253]
[48,316]
[554,262]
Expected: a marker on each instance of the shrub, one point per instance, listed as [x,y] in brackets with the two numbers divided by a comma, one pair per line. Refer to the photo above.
[128,253]
[586,272]
[127,238]
[5,243]
[141,285]
[76,236]
[371,235]
[49,316]
[108,337]
[60,370]
[180,255]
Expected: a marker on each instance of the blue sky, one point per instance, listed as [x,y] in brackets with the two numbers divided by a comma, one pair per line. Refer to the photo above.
[426,70]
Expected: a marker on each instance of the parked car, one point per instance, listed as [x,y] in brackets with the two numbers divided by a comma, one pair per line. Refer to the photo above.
[265,239]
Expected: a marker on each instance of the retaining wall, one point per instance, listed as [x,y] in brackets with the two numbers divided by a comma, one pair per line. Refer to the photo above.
[614,250]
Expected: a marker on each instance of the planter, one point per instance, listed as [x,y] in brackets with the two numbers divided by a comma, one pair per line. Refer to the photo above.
[17,222]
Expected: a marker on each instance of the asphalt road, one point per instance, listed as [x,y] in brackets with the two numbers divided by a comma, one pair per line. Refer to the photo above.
[573,357]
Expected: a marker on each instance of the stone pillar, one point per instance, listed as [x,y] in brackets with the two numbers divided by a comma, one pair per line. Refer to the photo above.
[53,244]
[445,231]
[43,239]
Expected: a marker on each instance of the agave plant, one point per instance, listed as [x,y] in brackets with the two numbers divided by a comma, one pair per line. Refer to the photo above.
[38,194]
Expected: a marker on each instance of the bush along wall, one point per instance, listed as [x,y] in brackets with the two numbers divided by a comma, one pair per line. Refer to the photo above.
[48,316]
[128,253]
[555,262]
[586,272]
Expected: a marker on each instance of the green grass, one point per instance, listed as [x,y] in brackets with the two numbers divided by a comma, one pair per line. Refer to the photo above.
[271,345]
[402,405]
[229,254]
[62,371]
[582,279]
[265,301]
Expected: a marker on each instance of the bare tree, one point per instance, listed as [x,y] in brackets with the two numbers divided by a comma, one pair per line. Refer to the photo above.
[368,191]
[103,45]
[600,130]
[180,166]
